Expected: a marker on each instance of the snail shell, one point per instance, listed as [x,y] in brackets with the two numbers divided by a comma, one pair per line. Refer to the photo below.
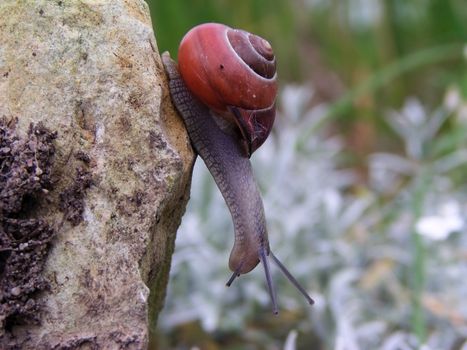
[234,73]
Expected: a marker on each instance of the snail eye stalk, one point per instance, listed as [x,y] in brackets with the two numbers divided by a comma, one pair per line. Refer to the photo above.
[291,278]
[272,292]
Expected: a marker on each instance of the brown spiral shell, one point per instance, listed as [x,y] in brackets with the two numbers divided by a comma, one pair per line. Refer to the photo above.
[235,71]
[228,67]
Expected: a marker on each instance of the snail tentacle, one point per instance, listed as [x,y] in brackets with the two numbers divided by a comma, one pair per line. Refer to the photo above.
[272,292]
[291,278]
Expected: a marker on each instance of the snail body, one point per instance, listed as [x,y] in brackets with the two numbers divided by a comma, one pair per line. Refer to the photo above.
[202,91]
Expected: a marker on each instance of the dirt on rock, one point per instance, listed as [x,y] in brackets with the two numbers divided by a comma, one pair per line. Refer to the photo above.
[25,177]
[72,197]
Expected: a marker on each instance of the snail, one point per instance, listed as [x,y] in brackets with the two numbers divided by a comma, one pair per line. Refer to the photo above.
[225,88]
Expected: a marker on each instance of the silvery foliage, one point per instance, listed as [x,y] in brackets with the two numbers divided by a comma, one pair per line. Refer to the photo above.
[349,244]
[423,177]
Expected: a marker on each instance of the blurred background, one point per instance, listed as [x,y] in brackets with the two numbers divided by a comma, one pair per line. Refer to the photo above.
[363,182]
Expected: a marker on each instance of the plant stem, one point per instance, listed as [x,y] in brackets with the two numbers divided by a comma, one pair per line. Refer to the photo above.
[417,272]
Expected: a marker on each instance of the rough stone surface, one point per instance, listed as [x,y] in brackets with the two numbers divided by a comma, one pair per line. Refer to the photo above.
[90,71]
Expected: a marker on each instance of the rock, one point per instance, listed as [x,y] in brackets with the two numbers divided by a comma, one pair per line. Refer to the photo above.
[91,72]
